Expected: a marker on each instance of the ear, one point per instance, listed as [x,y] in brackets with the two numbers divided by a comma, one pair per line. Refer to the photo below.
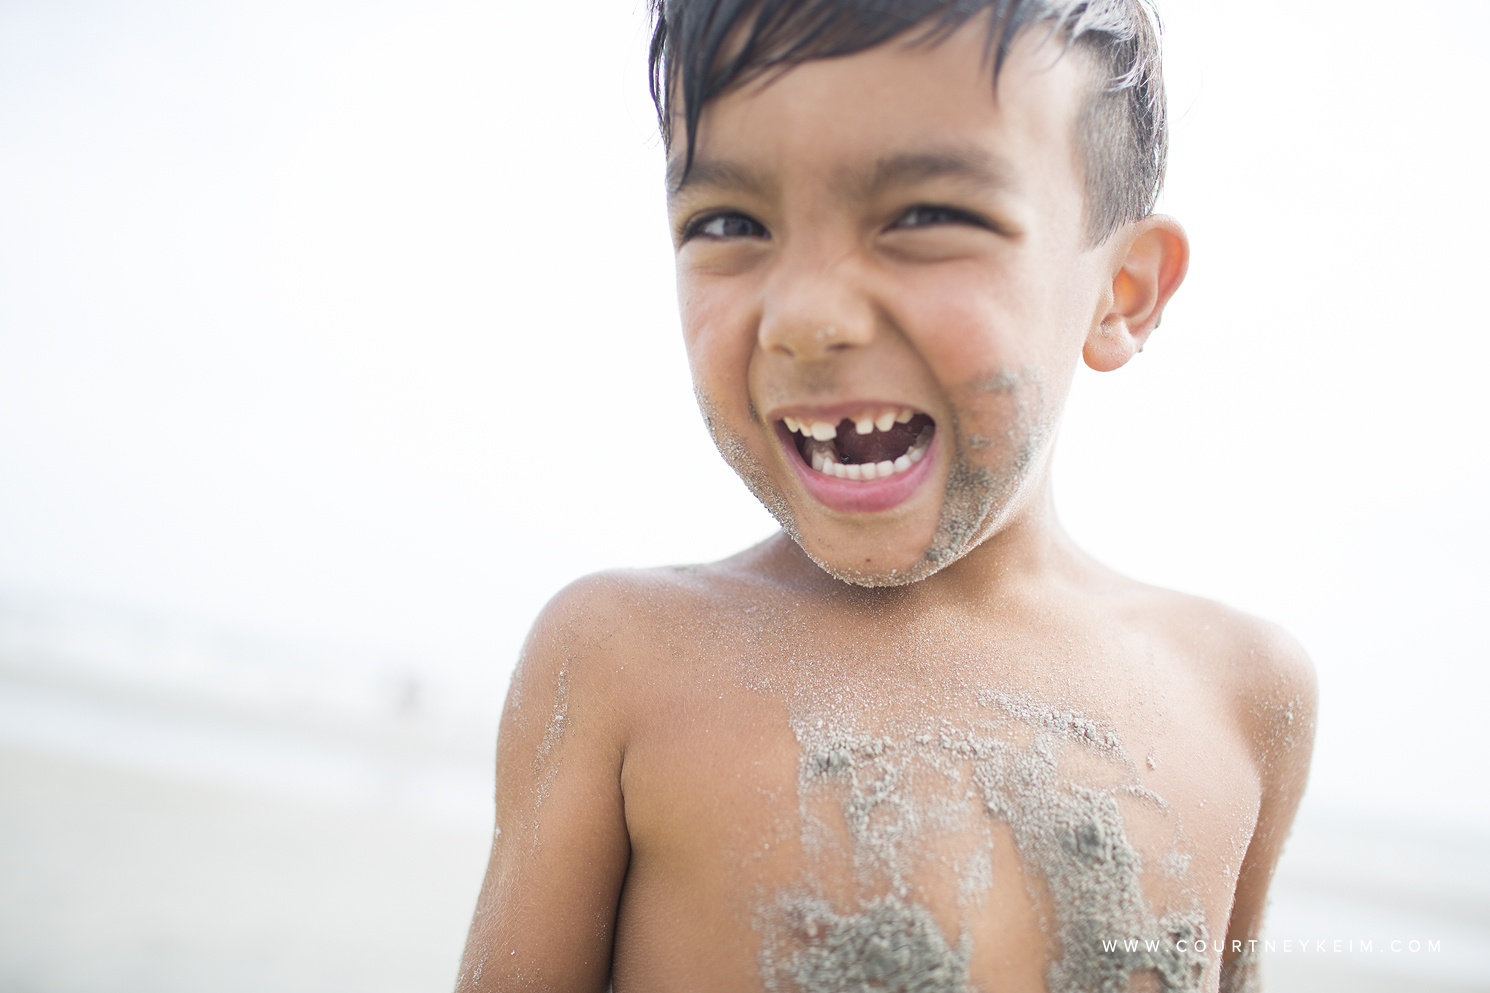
[1150,257]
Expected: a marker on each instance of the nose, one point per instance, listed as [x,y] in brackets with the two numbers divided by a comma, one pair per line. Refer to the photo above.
[813,308]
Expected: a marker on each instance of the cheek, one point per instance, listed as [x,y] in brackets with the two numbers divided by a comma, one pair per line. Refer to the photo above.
[993,337]
[965,323]
[718,334]
[981,322]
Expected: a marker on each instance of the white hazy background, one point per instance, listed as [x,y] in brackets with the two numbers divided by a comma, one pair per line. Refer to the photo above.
[336,337]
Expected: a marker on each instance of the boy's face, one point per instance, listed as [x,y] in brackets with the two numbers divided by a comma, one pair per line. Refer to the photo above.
[872,238]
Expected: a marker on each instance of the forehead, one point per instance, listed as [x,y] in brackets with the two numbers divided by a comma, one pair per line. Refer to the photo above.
[832,116]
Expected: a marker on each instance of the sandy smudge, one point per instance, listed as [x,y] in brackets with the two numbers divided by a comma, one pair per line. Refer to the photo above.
[890,800]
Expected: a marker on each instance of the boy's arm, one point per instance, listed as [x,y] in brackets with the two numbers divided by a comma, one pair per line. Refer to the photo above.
[545,919]
[1279,701]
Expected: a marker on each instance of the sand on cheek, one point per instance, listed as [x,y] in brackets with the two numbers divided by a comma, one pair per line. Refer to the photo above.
[989,469]
[737,454]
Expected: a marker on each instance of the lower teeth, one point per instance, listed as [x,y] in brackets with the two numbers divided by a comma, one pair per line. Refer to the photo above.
[824,460]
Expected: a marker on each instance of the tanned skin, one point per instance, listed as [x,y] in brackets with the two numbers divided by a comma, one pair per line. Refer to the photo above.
[646,769]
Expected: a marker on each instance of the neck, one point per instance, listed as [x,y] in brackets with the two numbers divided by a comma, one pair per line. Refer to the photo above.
[1028,548]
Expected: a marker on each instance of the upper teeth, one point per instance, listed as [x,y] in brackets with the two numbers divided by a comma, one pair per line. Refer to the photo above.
[865,421]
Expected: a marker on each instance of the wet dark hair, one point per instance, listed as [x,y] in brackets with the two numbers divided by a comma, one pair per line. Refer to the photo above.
[703,48]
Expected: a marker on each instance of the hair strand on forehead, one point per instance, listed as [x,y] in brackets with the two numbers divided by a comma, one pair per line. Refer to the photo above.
[703,48]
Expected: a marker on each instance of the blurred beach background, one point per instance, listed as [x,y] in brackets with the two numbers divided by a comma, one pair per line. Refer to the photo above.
[336,337]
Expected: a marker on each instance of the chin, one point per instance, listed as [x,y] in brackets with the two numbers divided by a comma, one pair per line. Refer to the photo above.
[891,577]
[976,502]
[847,567]
[932,560]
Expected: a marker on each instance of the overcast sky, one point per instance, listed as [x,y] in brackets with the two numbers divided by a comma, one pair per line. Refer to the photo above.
[354,322]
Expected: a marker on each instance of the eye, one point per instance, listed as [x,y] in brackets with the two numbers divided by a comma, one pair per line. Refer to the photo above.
[925,215]
[726,226]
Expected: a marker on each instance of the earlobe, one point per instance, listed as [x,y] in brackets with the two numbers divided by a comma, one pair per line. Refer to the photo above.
[1109,346]
[1151,257]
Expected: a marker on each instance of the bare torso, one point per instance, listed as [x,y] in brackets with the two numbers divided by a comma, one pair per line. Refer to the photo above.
[816,785]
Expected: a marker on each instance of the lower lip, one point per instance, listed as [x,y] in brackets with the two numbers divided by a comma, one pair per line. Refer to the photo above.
[857,496]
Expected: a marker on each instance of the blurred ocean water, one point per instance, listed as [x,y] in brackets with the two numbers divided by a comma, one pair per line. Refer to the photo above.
[185,809]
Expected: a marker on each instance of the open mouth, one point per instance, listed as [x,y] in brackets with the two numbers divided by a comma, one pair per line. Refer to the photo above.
[872,444]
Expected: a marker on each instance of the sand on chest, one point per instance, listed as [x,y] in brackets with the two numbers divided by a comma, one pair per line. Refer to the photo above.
[912,806]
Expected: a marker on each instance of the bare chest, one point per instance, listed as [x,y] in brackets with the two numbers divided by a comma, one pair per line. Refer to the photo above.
[965,834]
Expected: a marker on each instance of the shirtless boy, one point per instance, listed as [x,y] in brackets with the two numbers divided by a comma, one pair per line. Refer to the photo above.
[917,741]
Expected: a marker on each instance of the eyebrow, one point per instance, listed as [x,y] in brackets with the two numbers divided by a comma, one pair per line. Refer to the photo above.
[715,174]
[972,166]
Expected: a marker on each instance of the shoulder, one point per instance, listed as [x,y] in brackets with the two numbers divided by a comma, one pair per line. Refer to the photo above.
[1261,676]
[1238,649]
[605,636]
[598,620]
[618,606]
[601,612]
